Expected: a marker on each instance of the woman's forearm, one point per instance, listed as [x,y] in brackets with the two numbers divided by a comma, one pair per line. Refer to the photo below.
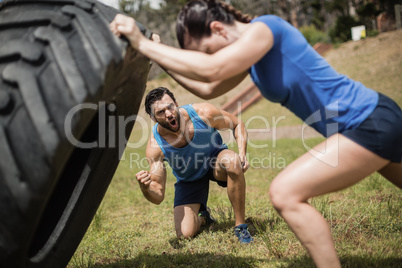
[171,58]
[201,67]
[231,60]
[207,90]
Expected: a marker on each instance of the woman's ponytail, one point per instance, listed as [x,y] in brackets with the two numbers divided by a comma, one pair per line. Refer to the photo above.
[238,15]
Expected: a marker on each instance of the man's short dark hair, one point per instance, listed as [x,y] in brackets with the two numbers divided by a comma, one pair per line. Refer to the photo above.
[155,95]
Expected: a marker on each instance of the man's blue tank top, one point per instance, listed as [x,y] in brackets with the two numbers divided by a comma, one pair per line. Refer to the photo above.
[295,75]
[192,161]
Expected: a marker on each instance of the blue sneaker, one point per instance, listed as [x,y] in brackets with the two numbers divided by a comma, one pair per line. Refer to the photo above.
[243,234]
[206,214]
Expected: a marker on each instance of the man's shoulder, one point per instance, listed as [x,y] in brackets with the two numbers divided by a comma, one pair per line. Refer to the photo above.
[205,109]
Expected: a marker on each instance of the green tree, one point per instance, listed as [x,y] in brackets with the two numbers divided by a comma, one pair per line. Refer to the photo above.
[341,32]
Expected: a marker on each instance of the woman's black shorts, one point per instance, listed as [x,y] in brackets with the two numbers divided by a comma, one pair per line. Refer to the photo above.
[381,132]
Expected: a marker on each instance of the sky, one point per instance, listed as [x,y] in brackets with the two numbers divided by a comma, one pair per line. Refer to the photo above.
[115,3]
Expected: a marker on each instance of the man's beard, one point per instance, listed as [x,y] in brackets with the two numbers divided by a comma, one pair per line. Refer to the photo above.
[169,126]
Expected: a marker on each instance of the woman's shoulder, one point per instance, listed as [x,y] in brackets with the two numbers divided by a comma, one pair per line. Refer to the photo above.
[268,18]
[275,23]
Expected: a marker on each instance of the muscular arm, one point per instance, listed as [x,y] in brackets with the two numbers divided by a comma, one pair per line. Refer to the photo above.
[153,183]
[229,61]
[207,90]
[223,120]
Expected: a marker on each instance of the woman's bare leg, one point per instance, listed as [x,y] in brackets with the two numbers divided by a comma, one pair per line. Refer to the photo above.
[310,176]
[393,173]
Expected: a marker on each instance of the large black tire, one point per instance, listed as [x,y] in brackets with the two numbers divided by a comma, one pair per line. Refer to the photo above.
[55,55]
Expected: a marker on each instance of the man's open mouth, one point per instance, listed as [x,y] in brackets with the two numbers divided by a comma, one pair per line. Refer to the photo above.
[173,122]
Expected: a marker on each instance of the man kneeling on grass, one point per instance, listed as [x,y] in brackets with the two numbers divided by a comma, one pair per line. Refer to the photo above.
[187,138]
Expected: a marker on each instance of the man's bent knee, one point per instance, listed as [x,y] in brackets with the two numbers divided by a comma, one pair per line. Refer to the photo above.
[230,161]
[186,231]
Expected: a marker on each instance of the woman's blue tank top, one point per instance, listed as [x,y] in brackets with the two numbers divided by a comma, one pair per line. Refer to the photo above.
[295,75]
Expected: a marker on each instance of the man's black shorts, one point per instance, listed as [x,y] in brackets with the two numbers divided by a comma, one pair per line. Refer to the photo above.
[195,192]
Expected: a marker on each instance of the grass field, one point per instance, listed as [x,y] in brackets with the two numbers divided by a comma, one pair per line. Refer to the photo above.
[128,231]
[365,219]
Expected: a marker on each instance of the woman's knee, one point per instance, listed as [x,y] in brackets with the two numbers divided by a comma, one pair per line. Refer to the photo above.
[282,198]
[276,197]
